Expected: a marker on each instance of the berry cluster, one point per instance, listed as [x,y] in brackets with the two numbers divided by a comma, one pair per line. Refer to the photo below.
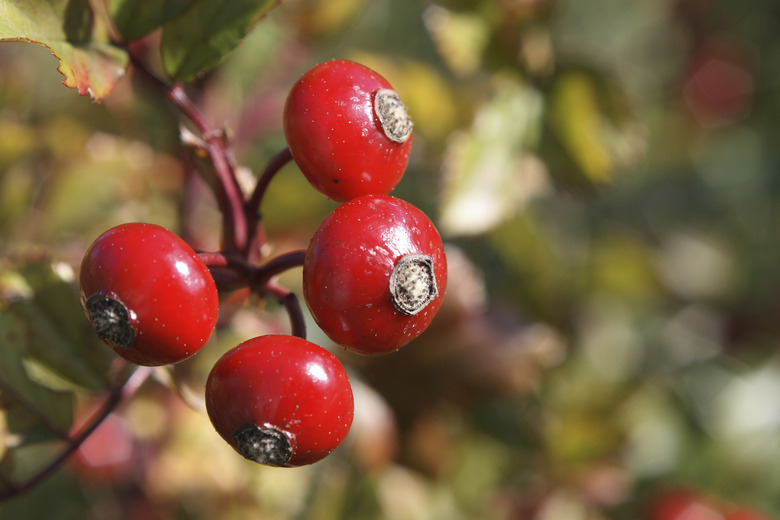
[374,276]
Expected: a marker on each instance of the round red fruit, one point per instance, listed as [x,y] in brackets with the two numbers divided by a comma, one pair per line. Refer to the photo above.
[374,274]
[347,130]
[147,294]
[280,400]
[682,504]
[107,454]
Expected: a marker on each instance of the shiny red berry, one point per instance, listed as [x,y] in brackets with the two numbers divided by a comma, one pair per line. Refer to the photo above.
[280,400]
[347,130]
[374,274]
[147,294]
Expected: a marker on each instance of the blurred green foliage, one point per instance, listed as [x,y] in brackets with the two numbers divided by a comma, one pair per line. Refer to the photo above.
[605,175]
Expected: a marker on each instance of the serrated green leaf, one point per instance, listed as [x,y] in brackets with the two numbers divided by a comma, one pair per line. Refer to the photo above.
[134,19]
[69,29]
[33,412]
[201,38]
[488,171]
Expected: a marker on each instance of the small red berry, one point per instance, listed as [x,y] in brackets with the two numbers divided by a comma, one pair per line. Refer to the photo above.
[347,130]
[107,454]
[280,400]
[374,274]
[147,294]
[683,504]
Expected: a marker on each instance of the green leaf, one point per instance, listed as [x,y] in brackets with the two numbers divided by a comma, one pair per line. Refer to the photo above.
[591,119]
[489,172]
[74,35]
[60,337]
[199,39]
[33,412]
[134,19]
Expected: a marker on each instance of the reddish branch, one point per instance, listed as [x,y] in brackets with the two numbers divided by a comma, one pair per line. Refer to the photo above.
[117,394]
[235,266]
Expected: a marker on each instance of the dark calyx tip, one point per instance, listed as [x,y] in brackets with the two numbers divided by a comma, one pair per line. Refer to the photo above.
[268,446]
[413,283]
[111,321]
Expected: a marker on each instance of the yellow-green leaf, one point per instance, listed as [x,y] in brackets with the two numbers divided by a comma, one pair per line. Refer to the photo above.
[589,117]
[460,38]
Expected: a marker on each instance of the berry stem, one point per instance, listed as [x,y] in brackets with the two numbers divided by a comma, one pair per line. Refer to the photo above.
[278,265]
[228,192]
[291,305]
[276,163]
[252,206]
[235,229]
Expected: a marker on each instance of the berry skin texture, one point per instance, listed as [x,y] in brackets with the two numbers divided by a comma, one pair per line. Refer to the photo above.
[148,294]
[280,400]
[374,274]
[347,130]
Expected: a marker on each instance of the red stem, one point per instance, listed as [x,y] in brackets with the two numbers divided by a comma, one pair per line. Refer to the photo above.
[229,196]
[291,305]
[228,191]
[125,388]
[277,266]
[276,163]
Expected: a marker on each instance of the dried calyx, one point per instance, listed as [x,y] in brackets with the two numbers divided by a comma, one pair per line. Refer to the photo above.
[111,321]
[413,283]
[392,114]
[268,446]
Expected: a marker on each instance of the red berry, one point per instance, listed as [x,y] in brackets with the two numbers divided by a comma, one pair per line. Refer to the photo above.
[280,400]
[374,274]
[147,294]
[683,504]
[347,130]
[107,454]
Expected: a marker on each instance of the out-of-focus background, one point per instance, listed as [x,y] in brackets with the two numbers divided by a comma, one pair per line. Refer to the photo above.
[606,176]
